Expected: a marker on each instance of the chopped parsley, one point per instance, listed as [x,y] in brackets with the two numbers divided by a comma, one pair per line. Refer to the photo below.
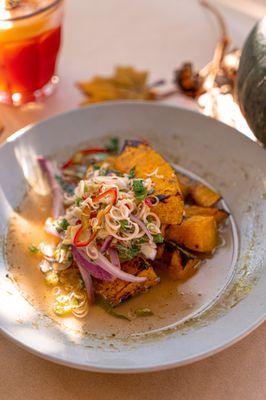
[78,201]
[113,145]
[33,249]
[63,225]
[100,301]
[158,238]
[65,186]
[132,173]
[103,172]
[143,312]
[124,224]
[139,189]
[100,157]
[128,253]
[66,247]
[151,191]
[140,241]
[108,171]
[95,167]
[70,257]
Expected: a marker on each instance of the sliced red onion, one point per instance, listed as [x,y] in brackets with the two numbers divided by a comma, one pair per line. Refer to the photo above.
[141,225]
[88,283]
[148,202]
[50,228]
[50,169]
[83,262]
[104,269]
[105,264]
[106,244]
[114,257]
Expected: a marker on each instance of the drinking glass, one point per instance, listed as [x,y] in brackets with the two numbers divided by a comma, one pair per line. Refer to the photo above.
[30,36]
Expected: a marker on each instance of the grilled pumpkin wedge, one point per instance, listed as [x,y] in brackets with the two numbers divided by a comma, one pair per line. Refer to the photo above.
[148,163]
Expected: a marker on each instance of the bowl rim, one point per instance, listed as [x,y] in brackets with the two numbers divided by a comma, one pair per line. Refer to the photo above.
[97,367]
[125,103]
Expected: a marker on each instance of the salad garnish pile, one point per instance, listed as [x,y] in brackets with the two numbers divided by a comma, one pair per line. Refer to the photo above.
[102,218]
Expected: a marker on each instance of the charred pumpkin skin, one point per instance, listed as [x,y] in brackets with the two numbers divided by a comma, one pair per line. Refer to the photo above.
[251,80]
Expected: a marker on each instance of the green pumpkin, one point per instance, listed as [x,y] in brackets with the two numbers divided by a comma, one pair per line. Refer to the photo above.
[251,80]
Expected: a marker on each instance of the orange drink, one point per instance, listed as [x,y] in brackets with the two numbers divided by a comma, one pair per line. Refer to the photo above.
[30,35]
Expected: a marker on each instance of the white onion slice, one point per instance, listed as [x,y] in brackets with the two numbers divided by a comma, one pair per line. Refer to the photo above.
[142,226]
[105,264]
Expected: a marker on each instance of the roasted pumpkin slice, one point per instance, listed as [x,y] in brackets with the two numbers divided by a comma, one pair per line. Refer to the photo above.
[180,267]
[185,184]
[170,211]
[198,233]
[219,215]
[118,291]
[204,196]
[148,163]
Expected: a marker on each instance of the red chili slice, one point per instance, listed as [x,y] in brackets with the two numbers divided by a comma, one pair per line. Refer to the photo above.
[83,243]
[110,192]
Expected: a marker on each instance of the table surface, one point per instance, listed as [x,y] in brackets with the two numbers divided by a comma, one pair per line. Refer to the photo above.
[157,36]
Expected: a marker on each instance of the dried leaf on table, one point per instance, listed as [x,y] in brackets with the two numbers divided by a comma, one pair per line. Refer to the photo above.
[125,83]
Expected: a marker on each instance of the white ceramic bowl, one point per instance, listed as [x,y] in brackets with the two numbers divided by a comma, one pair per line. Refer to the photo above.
[215,152]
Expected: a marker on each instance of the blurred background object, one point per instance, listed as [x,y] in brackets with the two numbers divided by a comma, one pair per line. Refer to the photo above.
[252,80]
[30,33]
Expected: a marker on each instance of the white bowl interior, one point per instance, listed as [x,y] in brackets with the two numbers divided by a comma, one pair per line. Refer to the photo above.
[215,152]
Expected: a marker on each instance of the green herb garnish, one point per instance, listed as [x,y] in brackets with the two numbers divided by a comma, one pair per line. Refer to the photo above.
[143,312]
[70,257]
[115,172]
[113,145]
[64,224]
[139,241]
[158,238]
[33,249]
[132,173]
[101,156]
[127,253]
[100,301]
[78,201]
[139,189]
[95,167]
[103,172]
[65,186]
[151,191]
[124,224]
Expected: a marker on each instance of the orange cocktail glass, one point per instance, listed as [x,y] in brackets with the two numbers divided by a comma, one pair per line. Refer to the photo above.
[30,35]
